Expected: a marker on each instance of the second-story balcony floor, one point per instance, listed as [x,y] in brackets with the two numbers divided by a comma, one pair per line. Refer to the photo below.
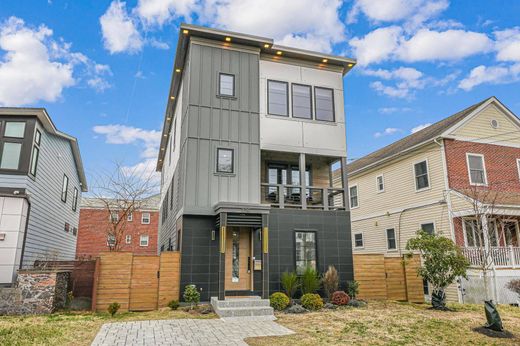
[302,181]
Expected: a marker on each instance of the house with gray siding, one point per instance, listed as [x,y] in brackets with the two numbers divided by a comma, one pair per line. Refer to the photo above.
[41,181]
[252,163]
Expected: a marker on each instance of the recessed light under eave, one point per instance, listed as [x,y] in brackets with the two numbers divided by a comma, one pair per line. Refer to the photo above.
[279,52]
[228,39]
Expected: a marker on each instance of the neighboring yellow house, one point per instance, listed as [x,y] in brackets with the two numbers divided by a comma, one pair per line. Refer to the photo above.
[422,182]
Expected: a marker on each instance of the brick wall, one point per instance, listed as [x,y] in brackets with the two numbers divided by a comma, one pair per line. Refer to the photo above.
[92,236]
[500,161]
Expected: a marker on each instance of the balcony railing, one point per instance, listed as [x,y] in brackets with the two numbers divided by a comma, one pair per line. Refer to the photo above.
[322,198]
[501,257]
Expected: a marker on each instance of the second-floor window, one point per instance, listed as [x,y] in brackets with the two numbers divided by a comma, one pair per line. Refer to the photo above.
[64,188]
[476,169]
[36,153]
[114,217]
[75,199]
[380,181]
[226,84]
[277,98]
[128,239]
[224,160]
[390,239]
[130,217]
[358,240]
[324,100]
[353,192]
[422,180]
[143,240]
[145,218]
[301,101]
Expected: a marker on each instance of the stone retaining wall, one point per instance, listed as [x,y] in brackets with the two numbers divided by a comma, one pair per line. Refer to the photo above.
[35,292]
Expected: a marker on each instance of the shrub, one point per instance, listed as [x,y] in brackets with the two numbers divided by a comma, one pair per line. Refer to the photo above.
[296,309]
[340,298]
[279,301]
[352,288]
[191,295]
[514,285]
[290,283]
[173,304]
[330,281]
[312,301]
[112,308]
[310,282]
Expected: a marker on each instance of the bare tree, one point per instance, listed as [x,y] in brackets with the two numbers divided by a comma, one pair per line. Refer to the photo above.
[121,193]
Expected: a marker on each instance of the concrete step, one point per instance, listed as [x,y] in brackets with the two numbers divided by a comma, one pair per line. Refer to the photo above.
[242,303]
[242,307]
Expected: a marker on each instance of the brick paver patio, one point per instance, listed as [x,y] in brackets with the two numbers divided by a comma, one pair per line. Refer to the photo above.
[186,332]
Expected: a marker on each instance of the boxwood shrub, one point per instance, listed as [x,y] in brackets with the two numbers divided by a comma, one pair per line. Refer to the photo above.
[312,301]
[279,301]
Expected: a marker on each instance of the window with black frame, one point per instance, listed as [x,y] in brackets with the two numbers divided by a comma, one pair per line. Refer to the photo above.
[225,160]
[301,101]
[324,99]
[305,251]
[286,174]
[12,140]
[277,98]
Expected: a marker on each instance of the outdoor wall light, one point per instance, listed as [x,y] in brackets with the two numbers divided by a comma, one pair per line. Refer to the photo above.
[185,32]
[266,45]
[279,52]
[178,70]
[228,39]
[350,65]
[325,61]
[172,97]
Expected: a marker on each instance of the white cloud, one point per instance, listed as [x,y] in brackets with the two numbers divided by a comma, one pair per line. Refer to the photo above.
[391,110]
[159,12]
[310,24]
[420,127]
[158,44]
[387,132]
[390,43]
[508,44]
[122,134]
[490,75]
[37,68]
[119,30]
[412,12]
[407,80]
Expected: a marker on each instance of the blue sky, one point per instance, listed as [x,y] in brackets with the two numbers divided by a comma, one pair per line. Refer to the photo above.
[102,68]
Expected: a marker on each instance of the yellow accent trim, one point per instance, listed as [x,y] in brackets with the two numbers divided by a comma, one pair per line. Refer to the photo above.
[265,240]
[223,239]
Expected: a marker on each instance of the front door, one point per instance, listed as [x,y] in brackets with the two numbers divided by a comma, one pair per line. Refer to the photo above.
[238,259]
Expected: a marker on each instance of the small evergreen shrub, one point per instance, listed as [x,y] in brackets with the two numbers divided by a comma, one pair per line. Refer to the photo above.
[310,281]
[340,298]
[330,281]
[312,301]
[296,309]
[290,283]
[352,288]
[173,304]
[191,295]
[113,308]
[279,301]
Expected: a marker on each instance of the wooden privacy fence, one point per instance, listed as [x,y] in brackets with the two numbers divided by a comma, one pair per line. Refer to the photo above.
[137,282]
[390,278]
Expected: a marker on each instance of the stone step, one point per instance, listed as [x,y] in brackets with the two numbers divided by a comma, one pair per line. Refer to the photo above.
[242,307]
[242,303]
[245,312]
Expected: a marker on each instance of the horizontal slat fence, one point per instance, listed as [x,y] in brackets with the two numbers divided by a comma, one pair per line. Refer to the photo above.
[136,282]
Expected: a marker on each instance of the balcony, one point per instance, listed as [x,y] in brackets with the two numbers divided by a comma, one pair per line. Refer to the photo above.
[501,256]
[320,187]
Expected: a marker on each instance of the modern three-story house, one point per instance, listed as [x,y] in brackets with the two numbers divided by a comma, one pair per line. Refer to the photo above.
[459,178]
[41,180]
[252,162]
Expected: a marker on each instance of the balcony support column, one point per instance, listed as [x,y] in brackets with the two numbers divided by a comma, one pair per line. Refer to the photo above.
[344,181]
[303,182]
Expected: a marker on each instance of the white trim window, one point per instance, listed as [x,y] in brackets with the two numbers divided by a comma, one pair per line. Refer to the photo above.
[128,239]
[476,169]
[358,241]
[473,235]
[145,218]
[518,167]
[353,195]
[380,183]
[422,176]
[428,227]
[111,240]
[130,217]
[114,217]
[143,240]
[391,241]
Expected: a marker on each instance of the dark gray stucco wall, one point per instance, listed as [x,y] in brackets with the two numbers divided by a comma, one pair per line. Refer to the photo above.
[334,244]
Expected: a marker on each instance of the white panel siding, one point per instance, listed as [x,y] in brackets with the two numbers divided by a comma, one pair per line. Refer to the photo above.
[13,217]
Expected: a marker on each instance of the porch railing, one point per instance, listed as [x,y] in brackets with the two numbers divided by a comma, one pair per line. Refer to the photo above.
[291,196]
[502,256]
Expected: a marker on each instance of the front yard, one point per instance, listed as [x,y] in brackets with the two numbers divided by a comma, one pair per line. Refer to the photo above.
[381,323]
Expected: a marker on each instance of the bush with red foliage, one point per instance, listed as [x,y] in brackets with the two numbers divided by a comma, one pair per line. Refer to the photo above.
[340,298]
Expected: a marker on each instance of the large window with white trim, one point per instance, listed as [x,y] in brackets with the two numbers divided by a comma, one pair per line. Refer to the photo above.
[353,193]
[476,169]
[422,180]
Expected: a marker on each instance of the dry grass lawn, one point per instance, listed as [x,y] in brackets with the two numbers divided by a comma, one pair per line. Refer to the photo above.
[72,328]
[391,323]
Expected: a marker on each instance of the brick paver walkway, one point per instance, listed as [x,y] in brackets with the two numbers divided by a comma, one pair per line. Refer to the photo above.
[186,332]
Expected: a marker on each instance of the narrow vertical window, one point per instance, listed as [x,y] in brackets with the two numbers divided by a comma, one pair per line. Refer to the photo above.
[301,101]
[114,217]
[324,100]
[235,272]
[145,218]
[64,188]
[75,199]
[130,217]
[477,169]
[390,238]
[34,160]
[277,98]
[358,240]
[380,181]
[353,192]
[128,239]
[421,175]
[224,160]
[305,251]
[143,240]
[226,84]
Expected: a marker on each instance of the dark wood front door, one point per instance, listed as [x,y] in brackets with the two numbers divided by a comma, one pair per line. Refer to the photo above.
[238,259]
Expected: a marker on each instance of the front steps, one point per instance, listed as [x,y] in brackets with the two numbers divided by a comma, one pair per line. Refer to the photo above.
[248,308]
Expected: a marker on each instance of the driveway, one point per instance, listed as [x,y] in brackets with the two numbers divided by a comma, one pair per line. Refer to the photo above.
[186,332]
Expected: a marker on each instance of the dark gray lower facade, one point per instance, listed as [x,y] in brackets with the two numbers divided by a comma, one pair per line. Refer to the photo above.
[203,262]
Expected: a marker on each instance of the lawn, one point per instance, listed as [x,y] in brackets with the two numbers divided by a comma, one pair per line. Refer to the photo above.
[73,328]
[391,323]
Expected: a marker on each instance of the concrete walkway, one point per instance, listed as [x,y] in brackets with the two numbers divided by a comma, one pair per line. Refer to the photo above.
[186,332]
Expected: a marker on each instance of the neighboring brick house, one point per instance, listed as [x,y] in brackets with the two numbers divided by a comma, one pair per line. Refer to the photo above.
[140,235]
[460,178]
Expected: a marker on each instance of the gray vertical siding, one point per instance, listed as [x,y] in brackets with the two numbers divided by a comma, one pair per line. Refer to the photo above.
[46,237]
